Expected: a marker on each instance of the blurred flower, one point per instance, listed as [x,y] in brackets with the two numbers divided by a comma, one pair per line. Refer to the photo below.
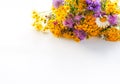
[93,5]
[102,22]
[113,19]
[112,34]
[68,22]
[80,34]
[77,18]
[55,22]
[80,19]
[57,3]
[99,14]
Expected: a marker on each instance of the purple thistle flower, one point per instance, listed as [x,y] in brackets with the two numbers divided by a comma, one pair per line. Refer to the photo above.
[97,14]
[77,18]
[80,34]
[113,19]
[93,5]
[57,3]
[68,22]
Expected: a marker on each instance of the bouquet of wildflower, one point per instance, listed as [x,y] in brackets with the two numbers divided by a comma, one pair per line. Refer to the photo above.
[81,19]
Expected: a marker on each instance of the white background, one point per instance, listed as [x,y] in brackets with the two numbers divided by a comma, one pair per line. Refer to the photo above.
[30,57]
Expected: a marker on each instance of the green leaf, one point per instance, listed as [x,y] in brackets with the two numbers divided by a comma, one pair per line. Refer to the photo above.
[103,3]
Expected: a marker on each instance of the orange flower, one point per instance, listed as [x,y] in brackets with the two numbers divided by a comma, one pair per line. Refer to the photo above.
[112,34]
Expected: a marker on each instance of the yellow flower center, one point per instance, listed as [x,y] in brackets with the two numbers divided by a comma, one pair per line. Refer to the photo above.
[103,19]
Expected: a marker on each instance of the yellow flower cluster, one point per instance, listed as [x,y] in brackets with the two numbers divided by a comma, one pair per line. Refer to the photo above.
[59,30]
[61,12]
[89,26]
[38,21]
[56,28]
[74,20]
[112,7]
[112,34]
[79,6]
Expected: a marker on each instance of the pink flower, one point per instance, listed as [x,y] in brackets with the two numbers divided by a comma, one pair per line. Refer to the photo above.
[80,34]
[68,22]
[57,3]
[77,18]
[113,19]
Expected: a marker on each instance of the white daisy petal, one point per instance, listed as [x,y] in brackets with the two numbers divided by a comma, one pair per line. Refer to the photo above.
[102,24]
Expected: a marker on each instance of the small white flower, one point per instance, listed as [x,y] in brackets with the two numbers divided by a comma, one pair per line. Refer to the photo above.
[102,37]
[102,24]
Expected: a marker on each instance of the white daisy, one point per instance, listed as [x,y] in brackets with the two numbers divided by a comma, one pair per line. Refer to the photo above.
[102,22]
